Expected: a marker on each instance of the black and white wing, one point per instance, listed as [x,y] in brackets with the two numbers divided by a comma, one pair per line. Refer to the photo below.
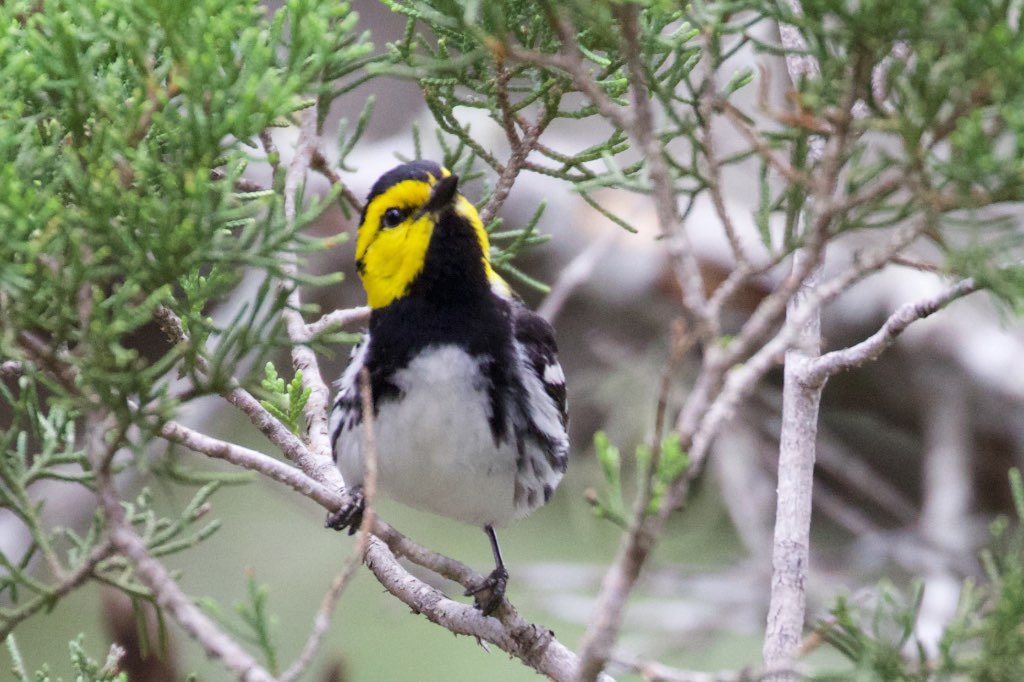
[347,410]
[545,384]
[346,416]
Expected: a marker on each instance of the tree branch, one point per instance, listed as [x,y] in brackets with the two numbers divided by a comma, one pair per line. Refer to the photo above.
[791,543]
[870,348]
[334,319]
[253,461]
[303,357]
[570,62]
[706,110]
[276,432]
[166,592]
[67,582]
[319,163]
[573,275]
[677,242]
[533,645]
[520,146]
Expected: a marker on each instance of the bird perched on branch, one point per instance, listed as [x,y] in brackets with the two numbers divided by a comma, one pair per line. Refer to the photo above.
[468,394]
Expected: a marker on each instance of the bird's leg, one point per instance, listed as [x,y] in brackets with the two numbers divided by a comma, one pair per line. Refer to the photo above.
[349,515]
[489,594]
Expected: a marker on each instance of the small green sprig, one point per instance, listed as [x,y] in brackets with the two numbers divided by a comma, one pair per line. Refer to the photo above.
[670,463]
[663,466]
[257,623]
[286,401]
[876,636]
[983,641]
[610,505]
[85,668]
[256,615]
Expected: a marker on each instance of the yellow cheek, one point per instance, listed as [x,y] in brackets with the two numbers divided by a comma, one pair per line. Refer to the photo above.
[392,259]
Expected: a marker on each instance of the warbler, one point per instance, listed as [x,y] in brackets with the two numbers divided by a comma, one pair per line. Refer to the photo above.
[469,398]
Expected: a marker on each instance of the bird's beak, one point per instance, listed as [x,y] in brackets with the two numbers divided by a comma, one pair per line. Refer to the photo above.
[442,195]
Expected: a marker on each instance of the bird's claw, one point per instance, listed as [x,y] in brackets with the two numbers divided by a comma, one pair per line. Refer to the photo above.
[488,595]
[349,515]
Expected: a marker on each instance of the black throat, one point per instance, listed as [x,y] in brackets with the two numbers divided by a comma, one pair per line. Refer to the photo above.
[453,268]
[449,303]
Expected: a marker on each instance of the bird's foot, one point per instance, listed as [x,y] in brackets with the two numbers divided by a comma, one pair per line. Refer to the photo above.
[489,594]
[349,515]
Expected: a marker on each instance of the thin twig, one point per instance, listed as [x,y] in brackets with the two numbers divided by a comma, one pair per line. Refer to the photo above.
[574,275]
[241,184]
[870,348]
[334,320]
[68,582]
[793,175]
[252,460]
[520,146]
[570,61]
[739,277]
[48,358]
[680,344]
[508,122]
[707,113]
[369,451]
[273,155]
[677,242]
[879,189]
[152,573]
[534,645]
[319,163]
[322,620]
[509,171]
[276,432]
[640,537]
[303,357]
[915,264]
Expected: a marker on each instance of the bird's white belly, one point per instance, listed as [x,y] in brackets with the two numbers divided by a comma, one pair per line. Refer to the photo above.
[435,448]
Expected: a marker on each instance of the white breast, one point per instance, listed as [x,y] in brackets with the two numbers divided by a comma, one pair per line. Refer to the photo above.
[436,451]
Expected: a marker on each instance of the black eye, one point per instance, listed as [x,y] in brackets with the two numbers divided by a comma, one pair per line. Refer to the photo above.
[393,217]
